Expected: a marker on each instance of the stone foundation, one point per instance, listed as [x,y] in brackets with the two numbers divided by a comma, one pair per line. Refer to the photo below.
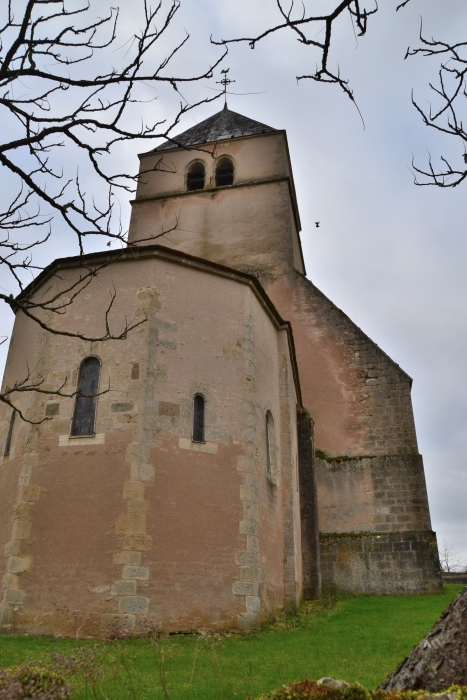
[381,563]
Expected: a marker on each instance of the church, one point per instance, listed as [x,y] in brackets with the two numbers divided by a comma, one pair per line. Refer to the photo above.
[246,444]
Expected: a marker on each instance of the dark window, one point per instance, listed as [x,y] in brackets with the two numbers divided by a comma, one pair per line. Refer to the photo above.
[195,176]
[224,172]
[270,444]
[6,450]
[198,418]
[84,415]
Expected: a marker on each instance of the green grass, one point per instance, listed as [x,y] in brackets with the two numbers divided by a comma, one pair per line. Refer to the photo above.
[354,638]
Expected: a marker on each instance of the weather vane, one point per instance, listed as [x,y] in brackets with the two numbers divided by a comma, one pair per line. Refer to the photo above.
[224,82]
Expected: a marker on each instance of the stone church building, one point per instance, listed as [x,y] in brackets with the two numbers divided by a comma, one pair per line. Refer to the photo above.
[245,445]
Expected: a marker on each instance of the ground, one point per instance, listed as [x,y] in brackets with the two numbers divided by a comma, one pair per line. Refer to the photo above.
[356,638]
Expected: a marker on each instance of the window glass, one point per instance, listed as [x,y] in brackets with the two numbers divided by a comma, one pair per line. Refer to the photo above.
[198,418]
[84,416]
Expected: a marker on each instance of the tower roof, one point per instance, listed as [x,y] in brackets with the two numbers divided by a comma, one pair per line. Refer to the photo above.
[222,125]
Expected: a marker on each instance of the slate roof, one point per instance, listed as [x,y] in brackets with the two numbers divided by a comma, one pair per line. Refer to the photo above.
[223,125]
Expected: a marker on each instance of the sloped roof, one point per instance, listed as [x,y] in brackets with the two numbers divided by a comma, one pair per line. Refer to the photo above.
[223,125]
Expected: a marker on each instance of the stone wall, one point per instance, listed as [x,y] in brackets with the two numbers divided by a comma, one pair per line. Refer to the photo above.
[380,494]
[395,563]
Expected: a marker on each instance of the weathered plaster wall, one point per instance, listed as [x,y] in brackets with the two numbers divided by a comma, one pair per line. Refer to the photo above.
[140,521]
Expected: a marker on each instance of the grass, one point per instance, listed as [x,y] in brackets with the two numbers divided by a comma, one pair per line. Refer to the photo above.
[356,638]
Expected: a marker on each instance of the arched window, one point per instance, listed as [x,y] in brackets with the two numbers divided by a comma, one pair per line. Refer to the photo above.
[84,415]
[195,176]
[6,449]
[198,418]
[270,446]
[224,172]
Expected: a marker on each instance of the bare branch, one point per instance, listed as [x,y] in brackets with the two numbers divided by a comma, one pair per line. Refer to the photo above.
[450,94]
[56,99]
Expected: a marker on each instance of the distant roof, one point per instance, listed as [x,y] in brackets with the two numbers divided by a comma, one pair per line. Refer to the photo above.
[223,125]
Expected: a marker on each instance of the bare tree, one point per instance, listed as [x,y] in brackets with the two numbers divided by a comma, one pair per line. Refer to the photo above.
[450,93]
[308,25]
[61,104]
[450,561]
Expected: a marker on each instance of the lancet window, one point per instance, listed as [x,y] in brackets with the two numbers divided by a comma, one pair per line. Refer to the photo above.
[198,418]
[84,415]
[270,446]
[7,447]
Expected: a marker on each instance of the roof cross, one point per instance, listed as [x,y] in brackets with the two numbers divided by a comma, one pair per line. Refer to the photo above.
[224,82]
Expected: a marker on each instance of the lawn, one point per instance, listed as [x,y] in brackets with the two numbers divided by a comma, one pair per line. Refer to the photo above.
[357,638]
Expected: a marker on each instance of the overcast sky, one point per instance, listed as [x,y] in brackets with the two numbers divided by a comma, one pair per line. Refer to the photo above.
[391,255]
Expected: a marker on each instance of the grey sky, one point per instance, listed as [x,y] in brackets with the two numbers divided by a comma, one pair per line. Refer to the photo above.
[390,254]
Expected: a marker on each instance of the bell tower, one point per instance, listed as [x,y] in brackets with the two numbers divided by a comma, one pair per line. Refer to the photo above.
[223,191]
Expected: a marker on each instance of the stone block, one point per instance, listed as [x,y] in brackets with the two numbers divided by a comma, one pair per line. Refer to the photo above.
[18,565]
[169,409]
[115,622]
[124,588]
[248,493]
[245,558]
[32,493]
[138,543]
[250,511]
[6,614]
[12,548]
[245,464]
[247,621]
[251,479]
[250,573]
[245,588]
[253,604]
[133,490]
[20,511]
[252,543]
[52,409]
[132,558]
[13,596]
[136,572]
[146,472]
[131,524]
[10,581]
[139,506]
[209,447]
[248,527]
[133,604]
[123,407]
[21,529]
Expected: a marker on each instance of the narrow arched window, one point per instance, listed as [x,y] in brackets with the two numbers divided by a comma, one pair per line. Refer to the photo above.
[9,437]
[224,172]
[198,418]
[270,445]
[84,415]
[195,176]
